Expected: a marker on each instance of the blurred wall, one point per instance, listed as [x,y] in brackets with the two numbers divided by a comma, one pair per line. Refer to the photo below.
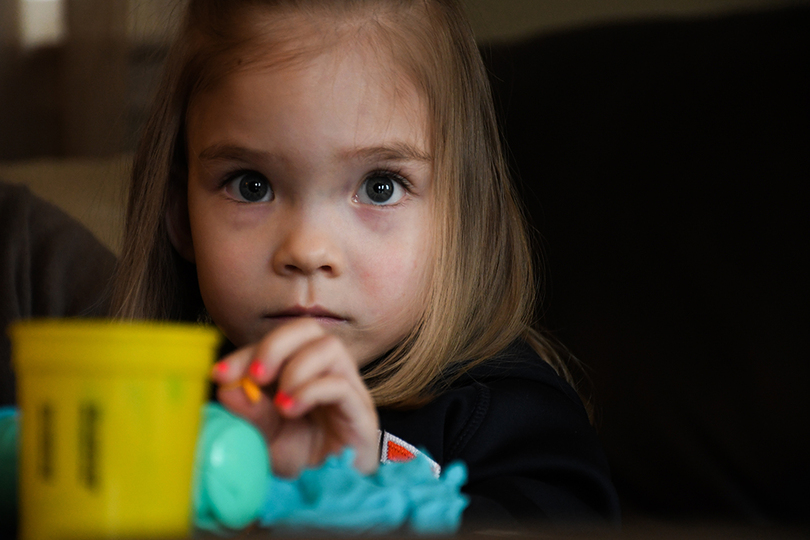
[504,19]
[69,98]
[495,19]
[87,96]
[8,40]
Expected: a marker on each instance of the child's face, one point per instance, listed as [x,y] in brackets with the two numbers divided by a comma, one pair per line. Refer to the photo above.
[309,194]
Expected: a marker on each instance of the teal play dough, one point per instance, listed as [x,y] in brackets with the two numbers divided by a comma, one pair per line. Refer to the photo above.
[236,488]
[399,496]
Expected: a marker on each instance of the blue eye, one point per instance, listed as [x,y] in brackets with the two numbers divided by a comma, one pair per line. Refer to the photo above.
[380,189]
[249,186]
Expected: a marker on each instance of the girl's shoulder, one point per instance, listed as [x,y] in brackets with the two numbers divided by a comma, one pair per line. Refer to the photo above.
[522,430]
[516,393]
[518,365]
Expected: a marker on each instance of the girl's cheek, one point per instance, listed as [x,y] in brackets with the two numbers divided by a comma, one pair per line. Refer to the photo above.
[394,275]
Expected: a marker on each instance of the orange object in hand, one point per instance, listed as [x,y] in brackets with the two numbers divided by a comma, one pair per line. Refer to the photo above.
[251,389]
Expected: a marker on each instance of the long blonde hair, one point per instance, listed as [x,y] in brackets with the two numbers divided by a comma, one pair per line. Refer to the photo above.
[483,293]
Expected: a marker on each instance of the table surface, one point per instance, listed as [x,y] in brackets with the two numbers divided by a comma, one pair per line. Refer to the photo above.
[640,530]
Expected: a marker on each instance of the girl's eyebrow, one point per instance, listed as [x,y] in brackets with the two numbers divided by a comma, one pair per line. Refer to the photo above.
[232,152]
[397,151]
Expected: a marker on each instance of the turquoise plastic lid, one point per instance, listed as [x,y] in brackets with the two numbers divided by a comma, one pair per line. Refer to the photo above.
[232,471]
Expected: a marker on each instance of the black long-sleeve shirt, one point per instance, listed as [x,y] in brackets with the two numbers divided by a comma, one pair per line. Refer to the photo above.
[531,453]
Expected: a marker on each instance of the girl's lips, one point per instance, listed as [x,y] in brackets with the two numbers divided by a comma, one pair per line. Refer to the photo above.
[316,312]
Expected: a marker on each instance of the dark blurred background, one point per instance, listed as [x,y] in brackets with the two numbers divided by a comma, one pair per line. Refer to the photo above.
[76,75]
[661,147]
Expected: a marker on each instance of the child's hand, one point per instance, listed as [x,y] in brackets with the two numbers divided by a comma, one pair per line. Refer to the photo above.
[314,402]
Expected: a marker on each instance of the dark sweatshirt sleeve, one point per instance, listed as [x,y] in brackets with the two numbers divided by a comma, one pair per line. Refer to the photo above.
[530,450]
[534,457]
[50,266]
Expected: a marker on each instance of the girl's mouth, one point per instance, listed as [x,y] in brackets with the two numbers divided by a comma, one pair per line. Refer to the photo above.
[322,315]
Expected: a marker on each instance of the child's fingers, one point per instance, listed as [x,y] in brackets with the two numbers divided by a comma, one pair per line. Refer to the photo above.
[261,413]
[331,390]
[262,360]
[246,384]
[278,346]
[232,368]
[352,417]
[322,356]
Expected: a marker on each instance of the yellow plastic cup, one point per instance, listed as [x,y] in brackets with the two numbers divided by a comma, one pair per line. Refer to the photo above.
[110,413]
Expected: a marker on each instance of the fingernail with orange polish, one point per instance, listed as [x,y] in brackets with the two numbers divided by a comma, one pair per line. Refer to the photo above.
[283,401]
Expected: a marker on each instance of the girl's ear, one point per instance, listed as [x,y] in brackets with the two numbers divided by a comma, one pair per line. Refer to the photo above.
[178,225]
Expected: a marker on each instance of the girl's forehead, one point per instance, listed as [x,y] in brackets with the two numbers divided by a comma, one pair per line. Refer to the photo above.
[342,79]
[297,51]
[297,39]
[324,57]
[388,34]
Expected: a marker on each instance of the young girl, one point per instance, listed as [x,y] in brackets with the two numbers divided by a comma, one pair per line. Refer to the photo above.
[323,180]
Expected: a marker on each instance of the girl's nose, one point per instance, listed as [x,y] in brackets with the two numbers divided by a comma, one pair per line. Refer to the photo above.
[308,249]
